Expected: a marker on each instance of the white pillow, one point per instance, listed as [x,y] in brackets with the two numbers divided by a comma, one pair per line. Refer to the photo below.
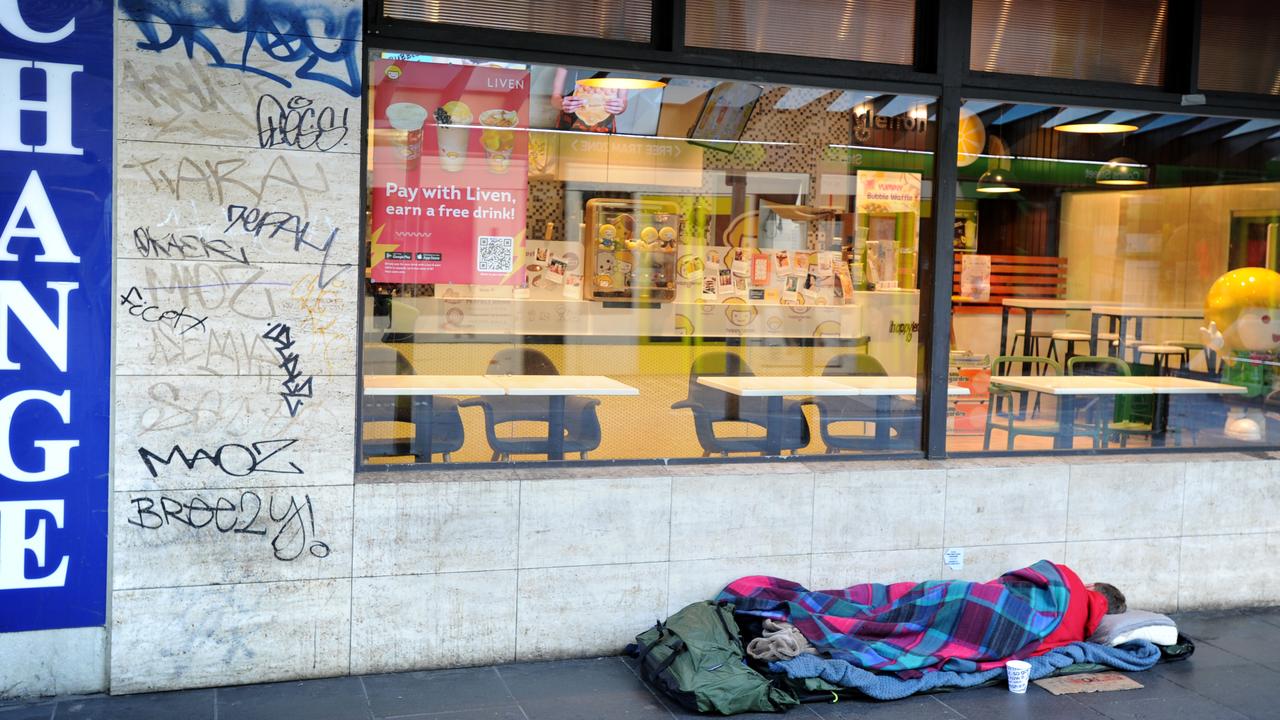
[1133,625]
[1158,634]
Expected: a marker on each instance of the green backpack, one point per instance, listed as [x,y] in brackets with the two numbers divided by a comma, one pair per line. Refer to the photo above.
[696,658]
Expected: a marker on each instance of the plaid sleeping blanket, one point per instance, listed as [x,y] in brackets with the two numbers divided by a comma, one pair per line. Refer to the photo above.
[911,627]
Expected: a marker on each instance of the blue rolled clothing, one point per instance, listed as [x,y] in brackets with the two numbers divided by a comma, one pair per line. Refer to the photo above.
[1132,656]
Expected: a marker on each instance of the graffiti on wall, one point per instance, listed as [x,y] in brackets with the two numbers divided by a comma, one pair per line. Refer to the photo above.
[281,31]
[237,302]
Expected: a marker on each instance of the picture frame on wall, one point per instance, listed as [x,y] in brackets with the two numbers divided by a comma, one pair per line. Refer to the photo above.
[724,116]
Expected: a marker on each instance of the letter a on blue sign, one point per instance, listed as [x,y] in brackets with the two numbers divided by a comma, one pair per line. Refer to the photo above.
[55,311]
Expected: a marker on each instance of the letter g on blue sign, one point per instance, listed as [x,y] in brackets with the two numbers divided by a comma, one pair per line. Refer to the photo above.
[55,304]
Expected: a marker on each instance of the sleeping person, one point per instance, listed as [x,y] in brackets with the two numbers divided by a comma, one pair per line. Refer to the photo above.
[956,625]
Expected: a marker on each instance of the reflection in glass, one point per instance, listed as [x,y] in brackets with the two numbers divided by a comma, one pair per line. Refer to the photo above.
[1122,291]
[565,266]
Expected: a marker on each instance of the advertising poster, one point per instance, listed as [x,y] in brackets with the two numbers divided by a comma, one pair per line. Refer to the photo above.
[450,171]
[881,192]
[56,298]
[975,277]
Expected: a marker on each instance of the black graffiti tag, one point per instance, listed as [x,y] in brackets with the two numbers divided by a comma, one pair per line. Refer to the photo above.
[233,459]
[147,312]
[297,123]
[296,389]
[296,520]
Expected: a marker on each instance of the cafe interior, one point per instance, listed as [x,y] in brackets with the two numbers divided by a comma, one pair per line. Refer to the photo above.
[712,268]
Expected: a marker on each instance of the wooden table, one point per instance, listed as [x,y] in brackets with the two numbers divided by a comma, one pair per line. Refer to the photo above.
[776,387]
[1067,387]
[554,387]
[423,389]
[1120,315]
[1028,306]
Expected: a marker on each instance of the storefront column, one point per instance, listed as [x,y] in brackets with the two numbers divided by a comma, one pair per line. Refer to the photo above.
[937,257]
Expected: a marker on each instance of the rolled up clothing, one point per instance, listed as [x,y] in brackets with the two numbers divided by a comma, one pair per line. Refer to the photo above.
[779,641]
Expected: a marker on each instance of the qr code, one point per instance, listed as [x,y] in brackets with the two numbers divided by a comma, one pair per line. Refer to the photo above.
[495,254]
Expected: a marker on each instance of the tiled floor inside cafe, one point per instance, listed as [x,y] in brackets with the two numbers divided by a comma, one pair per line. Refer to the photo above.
[1235,673]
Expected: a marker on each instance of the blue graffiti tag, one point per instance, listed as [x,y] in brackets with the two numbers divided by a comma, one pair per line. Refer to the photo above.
[282,29]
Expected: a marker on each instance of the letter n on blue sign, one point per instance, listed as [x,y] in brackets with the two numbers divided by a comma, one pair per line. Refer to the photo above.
[55,311]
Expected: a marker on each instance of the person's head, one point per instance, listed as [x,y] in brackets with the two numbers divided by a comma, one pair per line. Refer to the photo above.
[1115,598]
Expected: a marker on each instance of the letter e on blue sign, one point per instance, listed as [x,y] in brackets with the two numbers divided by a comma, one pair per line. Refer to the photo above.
[55,311]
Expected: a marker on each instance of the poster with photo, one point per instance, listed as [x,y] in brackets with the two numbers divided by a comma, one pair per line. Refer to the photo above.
[725,114]
[449,185]
[562,102]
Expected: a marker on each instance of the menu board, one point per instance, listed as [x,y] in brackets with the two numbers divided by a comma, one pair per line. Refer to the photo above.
[450,169]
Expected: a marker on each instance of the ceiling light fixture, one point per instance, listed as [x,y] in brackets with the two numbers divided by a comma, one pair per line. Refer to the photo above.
[622,83]
[1095,128]
[998,181]
[1122,171]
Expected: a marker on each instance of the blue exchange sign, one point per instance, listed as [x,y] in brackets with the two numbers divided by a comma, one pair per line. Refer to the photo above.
[55,311]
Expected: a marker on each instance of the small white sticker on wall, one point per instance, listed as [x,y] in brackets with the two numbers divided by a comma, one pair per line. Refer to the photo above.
[953,558]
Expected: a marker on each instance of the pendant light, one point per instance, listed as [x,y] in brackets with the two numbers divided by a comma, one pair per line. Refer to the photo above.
[1096,128]
[999,179]
[1122,171]
[613,82]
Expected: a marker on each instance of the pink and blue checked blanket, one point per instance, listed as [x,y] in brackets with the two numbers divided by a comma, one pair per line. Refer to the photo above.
[907,627]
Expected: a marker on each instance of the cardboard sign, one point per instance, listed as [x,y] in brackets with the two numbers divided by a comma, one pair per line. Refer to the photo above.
[450,169]
[1088,683]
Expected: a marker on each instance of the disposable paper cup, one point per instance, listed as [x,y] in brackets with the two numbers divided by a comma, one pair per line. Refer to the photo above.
[409,118]
[452,141]
[1019,672]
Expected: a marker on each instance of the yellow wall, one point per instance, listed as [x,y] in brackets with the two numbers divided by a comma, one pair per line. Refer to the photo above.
[642,426]
[1153,247]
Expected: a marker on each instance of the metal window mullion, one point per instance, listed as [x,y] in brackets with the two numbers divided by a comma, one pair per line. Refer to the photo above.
[666,29]
[938,256]
[1182,47]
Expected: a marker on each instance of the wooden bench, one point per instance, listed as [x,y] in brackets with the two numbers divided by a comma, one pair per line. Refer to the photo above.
[1017,276]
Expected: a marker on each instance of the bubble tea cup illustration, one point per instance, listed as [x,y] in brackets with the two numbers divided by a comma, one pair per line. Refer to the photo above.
[408,117]
[498,139]
[453,133]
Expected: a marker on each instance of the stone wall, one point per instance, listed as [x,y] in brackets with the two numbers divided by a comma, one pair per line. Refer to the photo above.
[237,218]
[470,568]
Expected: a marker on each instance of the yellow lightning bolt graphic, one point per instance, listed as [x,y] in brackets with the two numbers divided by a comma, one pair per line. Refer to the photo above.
[378,251]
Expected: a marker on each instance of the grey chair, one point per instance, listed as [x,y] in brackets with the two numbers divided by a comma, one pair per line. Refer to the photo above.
[711,406]
[581,424]
[903,417]
[388,427]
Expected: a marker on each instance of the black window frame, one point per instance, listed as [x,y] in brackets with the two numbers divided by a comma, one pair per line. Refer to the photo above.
[940,69]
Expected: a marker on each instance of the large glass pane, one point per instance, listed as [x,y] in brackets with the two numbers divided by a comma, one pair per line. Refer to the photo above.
[1108,40]
[574,262]
[1115,279]
[866,30]
[627,20]
[1240,46]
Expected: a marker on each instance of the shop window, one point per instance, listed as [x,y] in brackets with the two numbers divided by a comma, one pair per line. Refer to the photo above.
[569,263]
[1116,280]
[1108,40]
[1240,46]
[627,20]
[867,30]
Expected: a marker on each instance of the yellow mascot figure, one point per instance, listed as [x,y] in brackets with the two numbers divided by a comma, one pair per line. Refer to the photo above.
[1243,310]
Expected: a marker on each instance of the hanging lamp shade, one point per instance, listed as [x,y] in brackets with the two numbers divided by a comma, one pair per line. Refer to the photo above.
[998,180]
[1123,171]
[613,82]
